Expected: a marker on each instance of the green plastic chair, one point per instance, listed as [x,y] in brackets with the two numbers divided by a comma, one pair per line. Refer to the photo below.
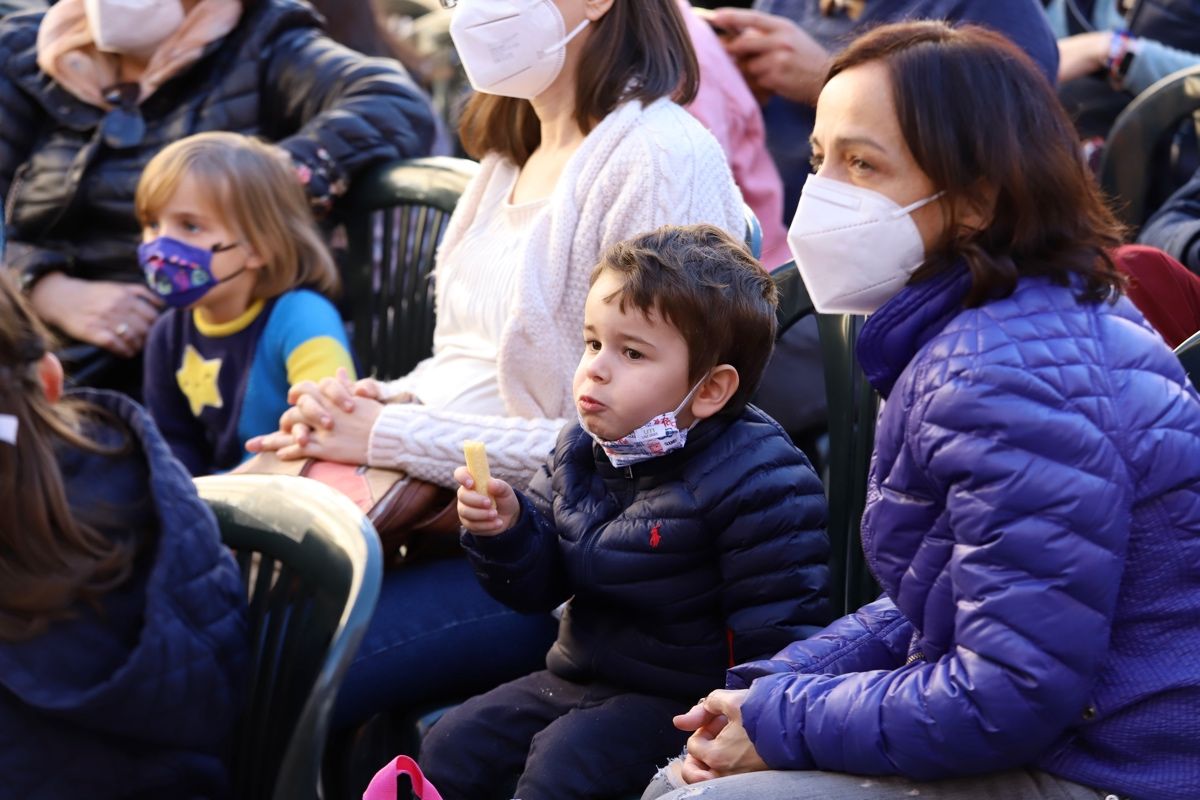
[853,406]
[311,565]
[395,216]
[1188,354]
[1144,125]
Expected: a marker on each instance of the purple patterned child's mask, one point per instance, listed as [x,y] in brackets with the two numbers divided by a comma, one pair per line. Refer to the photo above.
[178,272]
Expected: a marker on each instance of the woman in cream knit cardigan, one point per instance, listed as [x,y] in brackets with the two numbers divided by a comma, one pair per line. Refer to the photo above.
[512,275]
[640,168]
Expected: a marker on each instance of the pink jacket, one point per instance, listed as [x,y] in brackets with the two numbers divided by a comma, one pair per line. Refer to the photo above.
[727,108]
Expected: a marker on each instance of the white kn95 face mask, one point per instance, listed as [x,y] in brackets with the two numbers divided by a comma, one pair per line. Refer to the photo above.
[855,248]
[513,48]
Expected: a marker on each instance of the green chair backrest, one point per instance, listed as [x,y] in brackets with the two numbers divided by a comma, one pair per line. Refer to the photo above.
[853,406]
[1188,354]
[395,216]
[1139,130]
[311,565]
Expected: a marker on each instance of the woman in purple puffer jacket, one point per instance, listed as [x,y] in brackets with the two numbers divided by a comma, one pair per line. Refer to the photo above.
[1033,508]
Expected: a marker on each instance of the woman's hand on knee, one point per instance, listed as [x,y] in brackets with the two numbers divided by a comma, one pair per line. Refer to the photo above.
[691,769]
[700,717]
[727,750]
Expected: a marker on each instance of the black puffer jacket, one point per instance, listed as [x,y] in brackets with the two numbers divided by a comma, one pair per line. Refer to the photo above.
[69,196]
[677,567]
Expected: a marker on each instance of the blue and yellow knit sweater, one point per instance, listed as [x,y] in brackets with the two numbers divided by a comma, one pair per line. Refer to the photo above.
[210,386]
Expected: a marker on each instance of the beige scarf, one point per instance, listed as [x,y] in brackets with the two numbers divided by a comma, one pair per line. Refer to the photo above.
[66,52]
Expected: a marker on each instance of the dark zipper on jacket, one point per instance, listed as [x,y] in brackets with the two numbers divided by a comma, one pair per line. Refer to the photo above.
[590,539]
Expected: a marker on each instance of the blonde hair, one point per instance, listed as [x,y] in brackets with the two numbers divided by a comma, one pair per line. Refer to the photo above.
[253,188]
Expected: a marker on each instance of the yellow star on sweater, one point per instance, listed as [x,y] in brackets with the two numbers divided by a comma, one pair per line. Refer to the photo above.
[198,380]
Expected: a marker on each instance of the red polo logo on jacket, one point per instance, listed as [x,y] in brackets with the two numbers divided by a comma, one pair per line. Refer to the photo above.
[655,538]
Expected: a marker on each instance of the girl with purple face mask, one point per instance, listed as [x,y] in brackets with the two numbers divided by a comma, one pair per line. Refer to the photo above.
[230,247]
[93,89]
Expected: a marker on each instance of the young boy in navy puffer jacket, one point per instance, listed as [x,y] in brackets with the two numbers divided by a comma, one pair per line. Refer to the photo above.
[680,547]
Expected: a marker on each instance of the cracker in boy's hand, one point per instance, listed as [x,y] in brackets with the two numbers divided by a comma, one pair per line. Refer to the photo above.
[477,465]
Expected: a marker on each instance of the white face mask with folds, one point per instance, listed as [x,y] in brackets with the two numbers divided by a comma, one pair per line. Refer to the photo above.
[513,48]
[855,248]
[132,27]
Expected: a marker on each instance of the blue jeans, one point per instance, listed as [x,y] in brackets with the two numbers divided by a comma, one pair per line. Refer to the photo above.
[779,785]
[437,637]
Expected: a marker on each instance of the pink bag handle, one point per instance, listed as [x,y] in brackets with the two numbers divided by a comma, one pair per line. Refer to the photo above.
[383,785]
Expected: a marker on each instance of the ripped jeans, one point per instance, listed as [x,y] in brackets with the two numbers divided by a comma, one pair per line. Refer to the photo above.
[779,785]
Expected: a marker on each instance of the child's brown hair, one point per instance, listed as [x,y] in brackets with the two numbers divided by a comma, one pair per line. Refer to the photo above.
[257,194]
[49,560]
[706,284]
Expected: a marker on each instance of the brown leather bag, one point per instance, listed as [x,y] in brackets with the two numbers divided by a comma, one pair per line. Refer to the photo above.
[414,518]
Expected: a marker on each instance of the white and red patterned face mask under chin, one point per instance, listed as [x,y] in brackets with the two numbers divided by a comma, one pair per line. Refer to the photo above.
[659,436]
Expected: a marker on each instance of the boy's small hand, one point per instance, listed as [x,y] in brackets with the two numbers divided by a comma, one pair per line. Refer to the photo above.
[486,515]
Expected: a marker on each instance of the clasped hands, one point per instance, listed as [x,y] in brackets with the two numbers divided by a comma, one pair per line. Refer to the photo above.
[330,420]
[719,745]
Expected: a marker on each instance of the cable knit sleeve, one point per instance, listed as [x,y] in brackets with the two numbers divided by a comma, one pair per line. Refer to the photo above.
[427,442]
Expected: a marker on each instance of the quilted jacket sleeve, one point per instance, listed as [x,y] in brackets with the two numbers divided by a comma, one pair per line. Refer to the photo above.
[21,121]
[348,111]
[774,551]
[18,111]
[523,567]
[874,637]
[1039,514]
[1175,227]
